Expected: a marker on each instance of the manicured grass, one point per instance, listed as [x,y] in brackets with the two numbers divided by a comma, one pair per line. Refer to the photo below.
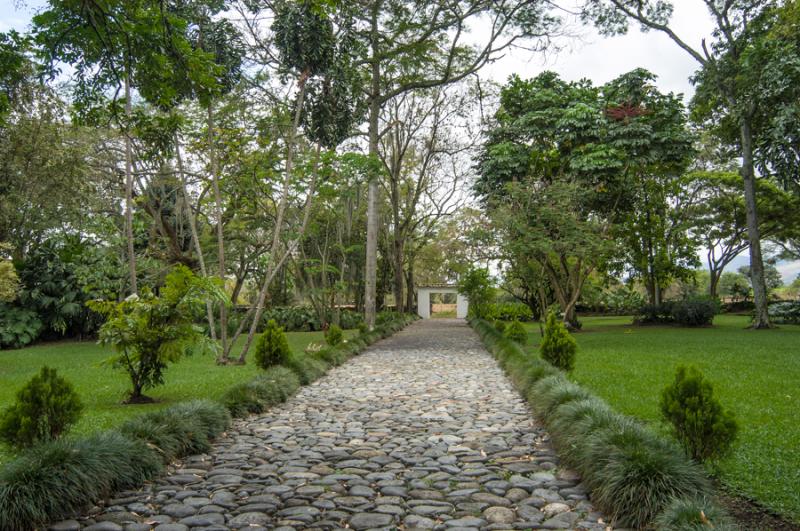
[755,373]
[103,388]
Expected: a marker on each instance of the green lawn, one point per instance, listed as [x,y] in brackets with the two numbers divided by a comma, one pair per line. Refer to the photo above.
[755,373]
[103,388]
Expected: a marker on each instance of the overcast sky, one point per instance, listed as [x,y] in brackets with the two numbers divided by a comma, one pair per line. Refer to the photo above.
[590,55]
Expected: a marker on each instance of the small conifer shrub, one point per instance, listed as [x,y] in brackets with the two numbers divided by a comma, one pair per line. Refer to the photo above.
[45,408]
[516,332]
[558,346]
[334,336]
[500,326]
[699,423]
[272,348]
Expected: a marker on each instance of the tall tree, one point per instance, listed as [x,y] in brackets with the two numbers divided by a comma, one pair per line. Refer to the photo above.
[118,46]
[408,45]
[741,82]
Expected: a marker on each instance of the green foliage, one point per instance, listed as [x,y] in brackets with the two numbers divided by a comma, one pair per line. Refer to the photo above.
[45,409]
[304,37]
[694,514]
[55,480]
[632,473]
[509,311]
[272,348]
[9,281]
[334,336]
[699,423]
[306,319]
[516,332]
[477,286]
[150,332]
[18,326]
[558,347]
[500,326]
[180,430]
[363,328]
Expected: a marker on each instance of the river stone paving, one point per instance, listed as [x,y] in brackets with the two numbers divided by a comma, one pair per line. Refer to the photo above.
[421,431]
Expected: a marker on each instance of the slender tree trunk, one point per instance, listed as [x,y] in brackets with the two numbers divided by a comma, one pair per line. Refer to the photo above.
[713,282]
[398,272]
[761,317]
[193,230]
[129,191]
[373,191]
[410,287]
[214,167]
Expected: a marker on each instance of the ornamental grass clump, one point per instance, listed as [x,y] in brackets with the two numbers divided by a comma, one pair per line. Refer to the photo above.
[60,478]
[516,332]
[694,514]
[269,389]
[334,336]
[558,346]
[45,408]
[698,421]
[272,348]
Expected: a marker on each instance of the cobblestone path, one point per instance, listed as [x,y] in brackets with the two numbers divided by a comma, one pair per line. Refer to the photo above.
[422,430]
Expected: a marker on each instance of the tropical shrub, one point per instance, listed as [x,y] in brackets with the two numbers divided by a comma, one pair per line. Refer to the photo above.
[45,408]
[698,311]
[476,285]
[9,281]
[698,421]
[349,319]
[516,332]
[334,336]
[558,347]
[785,312]
[18,326]
[294,318]
[272,347]
[509,311]
[149,332]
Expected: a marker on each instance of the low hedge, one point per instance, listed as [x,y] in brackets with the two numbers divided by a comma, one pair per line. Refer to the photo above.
[57,479]
[636,476]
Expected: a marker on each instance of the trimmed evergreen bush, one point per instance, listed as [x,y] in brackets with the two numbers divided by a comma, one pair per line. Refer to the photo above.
[272,348]
[694,514]
[516,332]
[558,347]
[334,336]
[699,423]
[44,409]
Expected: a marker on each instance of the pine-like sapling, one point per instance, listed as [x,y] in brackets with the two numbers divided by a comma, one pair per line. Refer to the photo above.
[558,347]
[272,348]
[698,421]
[45,409]
[334,336]
[516,332]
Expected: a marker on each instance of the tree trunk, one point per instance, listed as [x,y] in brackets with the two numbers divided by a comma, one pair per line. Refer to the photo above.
[761,316]
[214,167]
[371,264]
[713,282]
[410,288]
[398,272]
[129,192]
